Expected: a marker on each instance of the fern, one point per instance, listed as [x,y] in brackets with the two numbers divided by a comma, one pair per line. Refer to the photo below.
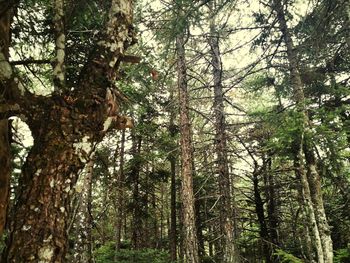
[285,257]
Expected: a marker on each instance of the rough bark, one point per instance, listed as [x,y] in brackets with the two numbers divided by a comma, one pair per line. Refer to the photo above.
[172,160]
[5,155]
[64,130]
[190,244]
[5,173]
[308,174]
[88,212]
[226,208]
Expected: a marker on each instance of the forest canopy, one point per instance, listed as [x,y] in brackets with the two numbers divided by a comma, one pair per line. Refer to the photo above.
[175,131]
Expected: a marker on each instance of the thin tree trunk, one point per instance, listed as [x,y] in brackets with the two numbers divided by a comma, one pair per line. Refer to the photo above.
[272,204]
[137,225]
[187,196]
[59,75]
[310,180]
[259,208]
[173,239]
[172,159]
[226,208]
[199,224]
[120,210]
[88,212]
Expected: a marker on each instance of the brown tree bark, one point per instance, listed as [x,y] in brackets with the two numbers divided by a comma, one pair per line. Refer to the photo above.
[190,243]
[6,12]
[308,174]
[120,209]
[5,173]
[137,225]
[172,159]
[88,211]
[64,130]
[226,208]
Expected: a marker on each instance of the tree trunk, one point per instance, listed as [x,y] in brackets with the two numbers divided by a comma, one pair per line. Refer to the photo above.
[173,239]
[272,204]
[172,159]
[5,172]
[226,208]
[64,129]
[199,225]
[259,208]
[137,226]
[310,180]
[5,150]
[120,200]
[187,196]
[88,212]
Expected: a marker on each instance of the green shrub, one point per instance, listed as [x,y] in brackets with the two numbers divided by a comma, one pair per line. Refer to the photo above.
[342,255]
[107,254]
[285,257]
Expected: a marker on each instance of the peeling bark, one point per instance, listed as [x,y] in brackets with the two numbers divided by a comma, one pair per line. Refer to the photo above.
[65,129]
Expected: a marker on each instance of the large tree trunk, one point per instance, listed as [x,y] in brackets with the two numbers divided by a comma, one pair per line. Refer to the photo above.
[226,208]
[5,156]
[64,130]
[190,243]
[310,180]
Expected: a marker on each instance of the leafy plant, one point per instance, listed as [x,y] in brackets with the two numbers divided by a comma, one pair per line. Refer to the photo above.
[107,254]
[285,257]
[342,255]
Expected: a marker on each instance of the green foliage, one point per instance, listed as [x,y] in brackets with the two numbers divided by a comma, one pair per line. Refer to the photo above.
[285,257]
[342,255]
[107,254]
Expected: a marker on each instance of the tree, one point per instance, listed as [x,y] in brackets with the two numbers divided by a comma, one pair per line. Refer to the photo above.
[64,128]
[6,11]
[226,208]
[187,196]
[310,179]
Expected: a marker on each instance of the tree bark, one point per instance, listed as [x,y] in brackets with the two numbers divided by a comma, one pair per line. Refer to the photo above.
[120,209]
[172,159]
[64,130]
[5,150]
[187,196]
[59,75]
[259,208]
[88,212]
[226,208]
[5,173]
[137,226]
[310,180]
